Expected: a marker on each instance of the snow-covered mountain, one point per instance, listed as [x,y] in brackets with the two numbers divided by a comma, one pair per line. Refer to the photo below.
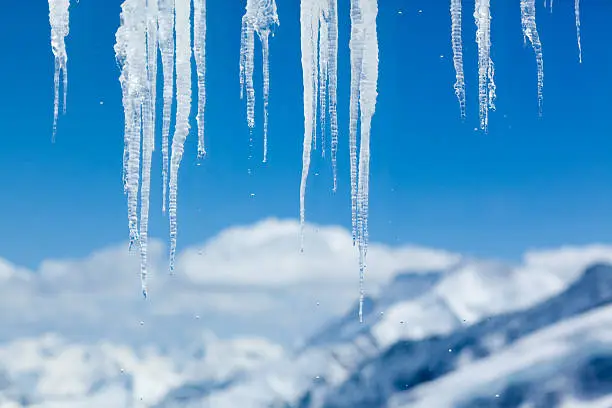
[419,339]
[478,334]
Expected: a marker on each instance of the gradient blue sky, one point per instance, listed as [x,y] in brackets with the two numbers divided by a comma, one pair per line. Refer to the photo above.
[435,181]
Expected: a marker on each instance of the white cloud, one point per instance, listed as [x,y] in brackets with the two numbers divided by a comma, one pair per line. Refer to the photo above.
[247,279]
[267,254]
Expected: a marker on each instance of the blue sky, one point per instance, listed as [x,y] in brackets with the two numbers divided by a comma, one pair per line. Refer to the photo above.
[529,183]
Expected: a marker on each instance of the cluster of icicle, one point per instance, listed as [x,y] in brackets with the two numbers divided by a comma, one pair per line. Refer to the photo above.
[486,83]
[319,37]
[319,44]
[146,27]
[59,20]
[260,18]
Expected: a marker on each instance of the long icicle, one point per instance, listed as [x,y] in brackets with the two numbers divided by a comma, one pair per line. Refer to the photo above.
[332,86]
[364,79]
[260,17]
[166,47]
[309,23]
[199,50]
[130,50]
[60,26]
[148,134]
[319,33]
[577,13]
[530,31]
[456,38]
[486,72]
[183,108]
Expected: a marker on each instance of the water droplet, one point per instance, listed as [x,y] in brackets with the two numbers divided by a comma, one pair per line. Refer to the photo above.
[450,350]
[252,195]
[141,323]
[441,55]
[400,12]
[197,317]
[496,395]
[420,11]
[318,303]
[101,102]
[200,252]
[122,371]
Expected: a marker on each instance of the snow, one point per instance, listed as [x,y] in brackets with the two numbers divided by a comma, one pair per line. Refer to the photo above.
[260,17]
[530,31]
[486,72]
[543,354]
[455,10]
[59,19]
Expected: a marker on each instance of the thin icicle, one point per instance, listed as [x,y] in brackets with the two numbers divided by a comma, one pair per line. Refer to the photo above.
[59,19]
[265,52]
[199,51]
[456,37]
[319,31]
[183,108]
[309,23]
[577,13]
[530,31]
[148,134]
[332,86]
[166,47]
[364,79]
[486,72]
[130,50]
[260,18]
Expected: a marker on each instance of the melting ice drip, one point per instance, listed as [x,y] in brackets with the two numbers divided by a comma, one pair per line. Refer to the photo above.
[364,79]
[530,31]
[486,72]
[260,18]
[59,19]
[147,25]
[319,37]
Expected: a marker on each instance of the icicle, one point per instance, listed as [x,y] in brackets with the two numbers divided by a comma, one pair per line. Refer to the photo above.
[309,22]
[486,72]
[455,11]
[577,12]
[148,134]
[199,50]
[166,47]
[183,107]
[530,31]
[364,78]
[59,20]
[319,31]
[130,51]
[260,17]
[332,86]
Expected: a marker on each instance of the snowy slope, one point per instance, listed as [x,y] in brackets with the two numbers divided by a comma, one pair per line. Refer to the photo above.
[409,363]
[409,342]
[50,372]
[566,365]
